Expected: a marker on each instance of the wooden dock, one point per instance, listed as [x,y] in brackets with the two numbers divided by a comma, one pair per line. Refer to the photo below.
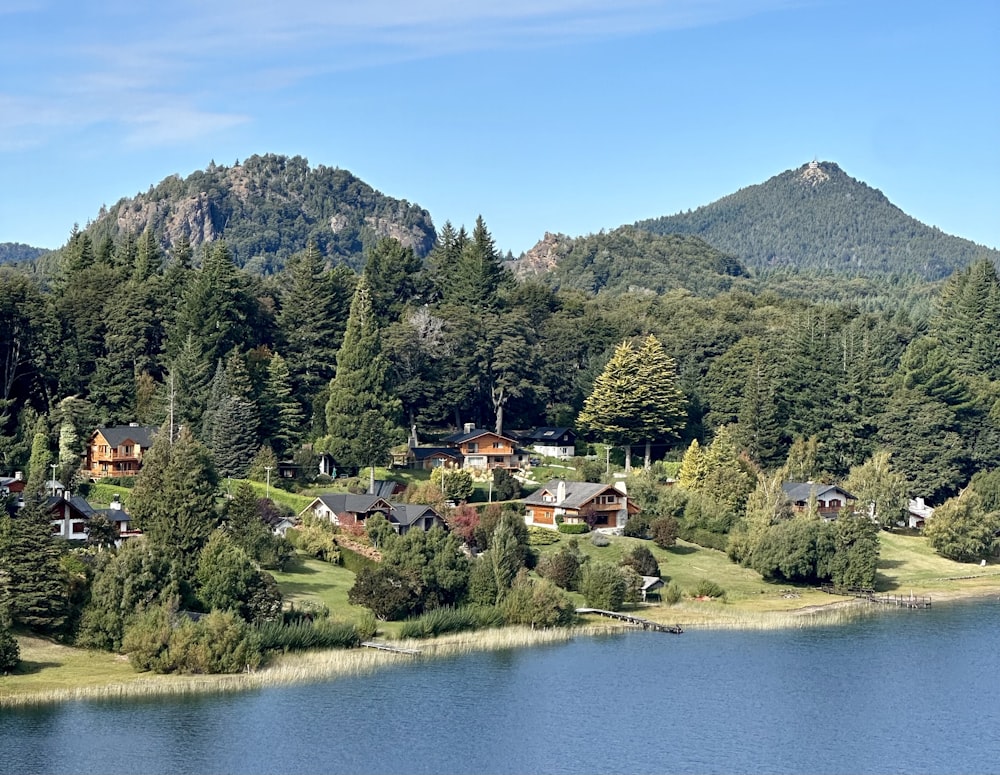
[371,644]
[899,601]
[637,621]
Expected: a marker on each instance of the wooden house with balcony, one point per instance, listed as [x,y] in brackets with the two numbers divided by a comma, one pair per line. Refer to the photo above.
[117,450]
[485,450]
[601,505]
[830,498]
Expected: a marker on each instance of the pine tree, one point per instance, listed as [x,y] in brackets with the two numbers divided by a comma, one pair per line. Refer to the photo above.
[38,464]
[33,584]
[360,386]
[662,403]
[478,274]
[614,409]
[394,277]
[282,417]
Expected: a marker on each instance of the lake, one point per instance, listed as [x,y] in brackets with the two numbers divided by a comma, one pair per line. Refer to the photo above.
[912,691]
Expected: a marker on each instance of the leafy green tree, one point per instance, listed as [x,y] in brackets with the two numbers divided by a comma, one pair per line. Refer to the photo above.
[506,558]
[562,567]
[537,603]
[229,581]
[856,552]
[173,500]
[603,585]
[379,530]
[879,488]
[126,583]
[692,472]
[642,561]
[505,486]
[455,483]
[664,531]
[961,531]
[243,522]
[389,592]
[436,561]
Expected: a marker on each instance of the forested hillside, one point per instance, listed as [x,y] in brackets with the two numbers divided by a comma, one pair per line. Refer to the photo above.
[628,259]
[817,217]
[267,208]
[11,252]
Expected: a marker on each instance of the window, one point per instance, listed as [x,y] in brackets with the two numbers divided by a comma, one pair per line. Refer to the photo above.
[834,503]
[79,527]
[473,447]
[497,445]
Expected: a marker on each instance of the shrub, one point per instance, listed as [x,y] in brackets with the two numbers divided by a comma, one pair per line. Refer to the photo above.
[663,531]
[561,568]
[574,528]
[637,526]
[642,561]
[708,588]
[354,561]
[599,539]
[673,593]
[542,536]
[10,652]
[537,603]
[590,470]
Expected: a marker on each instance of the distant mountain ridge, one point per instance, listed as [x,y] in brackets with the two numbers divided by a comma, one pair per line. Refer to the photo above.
[817,217]
[268,208]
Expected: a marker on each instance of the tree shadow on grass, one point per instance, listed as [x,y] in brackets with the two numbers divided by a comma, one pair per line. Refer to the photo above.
[889,563]
[297,565]
[27,667]
[883,583]
[682,549]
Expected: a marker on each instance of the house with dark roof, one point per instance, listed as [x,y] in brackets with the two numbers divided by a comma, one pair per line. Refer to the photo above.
[431,457]
[12,487]
[549,441]
[559,500]
[485,450]
[117,450]
[830,498]
[349,509]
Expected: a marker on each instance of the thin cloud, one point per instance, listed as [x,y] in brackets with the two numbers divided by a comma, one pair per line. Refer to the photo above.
[124,64]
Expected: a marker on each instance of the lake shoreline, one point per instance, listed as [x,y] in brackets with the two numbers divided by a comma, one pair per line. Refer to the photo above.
[306,667]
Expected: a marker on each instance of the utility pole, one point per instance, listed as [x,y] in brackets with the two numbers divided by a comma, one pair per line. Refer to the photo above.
[53,466]
[267,487]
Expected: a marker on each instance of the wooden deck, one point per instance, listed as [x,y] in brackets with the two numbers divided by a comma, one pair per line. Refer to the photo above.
[637,621]
[899,601]
[371,644]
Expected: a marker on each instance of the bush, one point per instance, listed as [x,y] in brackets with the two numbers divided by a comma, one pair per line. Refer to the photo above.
[561,568]
[542,536]
[637,526]
[10,652]
[642,561]
[574,528]
[705,538]
[663,531]
[673,593]
[599,539]
[708,588]
[537,603]
[354,561]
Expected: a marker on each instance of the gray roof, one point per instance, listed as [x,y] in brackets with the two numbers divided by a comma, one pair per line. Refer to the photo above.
[799,492]
[422,453]
[347,502]
[76,503]
[578,494]
[408,513]
[119,434]
[544,434]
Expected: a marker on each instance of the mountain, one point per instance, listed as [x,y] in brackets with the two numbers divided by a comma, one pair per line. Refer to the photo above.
[629,259]
[11,252]
[817,217]
[268,208]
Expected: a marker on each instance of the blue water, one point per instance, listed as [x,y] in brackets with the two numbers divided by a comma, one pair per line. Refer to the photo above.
[905,692]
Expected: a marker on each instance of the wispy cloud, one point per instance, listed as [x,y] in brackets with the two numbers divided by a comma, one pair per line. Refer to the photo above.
[174,72]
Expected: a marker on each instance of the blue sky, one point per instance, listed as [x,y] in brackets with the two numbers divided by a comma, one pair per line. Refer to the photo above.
[542,115]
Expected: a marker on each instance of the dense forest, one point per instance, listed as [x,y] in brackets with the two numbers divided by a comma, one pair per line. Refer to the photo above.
[818,218]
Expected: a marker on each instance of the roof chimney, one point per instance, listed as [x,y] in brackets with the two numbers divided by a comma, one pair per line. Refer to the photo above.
[18,476]
[469,427]
[561,491]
